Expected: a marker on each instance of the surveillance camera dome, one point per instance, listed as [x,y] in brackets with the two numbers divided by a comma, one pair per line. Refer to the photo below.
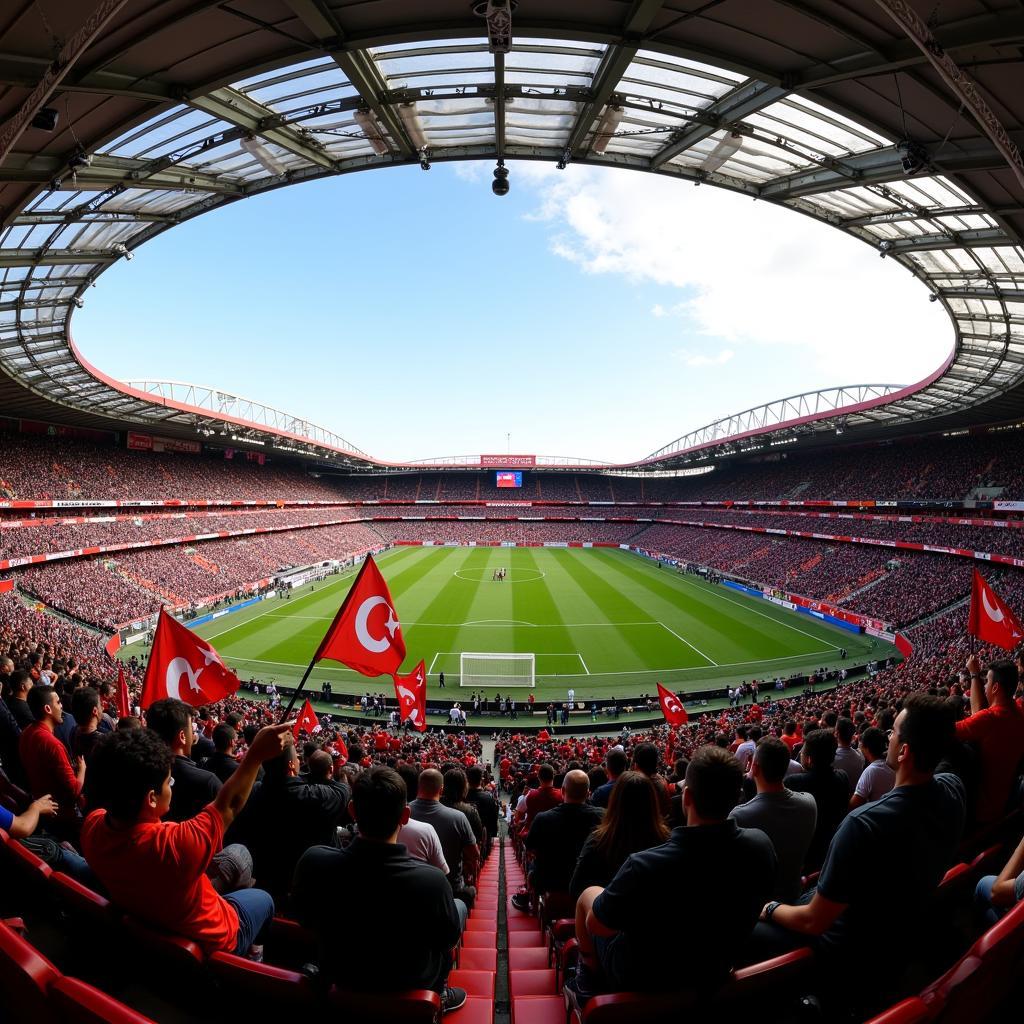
[500,185]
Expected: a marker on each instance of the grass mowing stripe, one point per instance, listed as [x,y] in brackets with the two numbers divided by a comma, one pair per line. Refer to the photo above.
[539,602]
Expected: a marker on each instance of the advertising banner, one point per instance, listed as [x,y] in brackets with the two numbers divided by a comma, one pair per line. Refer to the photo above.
[508,461]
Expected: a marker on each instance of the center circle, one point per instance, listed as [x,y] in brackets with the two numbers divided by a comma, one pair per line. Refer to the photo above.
[512,575]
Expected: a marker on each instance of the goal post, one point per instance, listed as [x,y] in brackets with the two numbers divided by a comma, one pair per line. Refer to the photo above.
[500,670]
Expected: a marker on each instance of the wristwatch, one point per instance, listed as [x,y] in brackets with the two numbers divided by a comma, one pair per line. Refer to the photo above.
[770,909]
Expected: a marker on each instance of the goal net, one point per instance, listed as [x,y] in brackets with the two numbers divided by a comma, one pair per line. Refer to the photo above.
[500,670]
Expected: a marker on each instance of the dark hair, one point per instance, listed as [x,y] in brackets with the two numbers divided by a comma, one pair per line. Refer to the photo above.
[873,741]
[410,776]
[475,776]
[927,729]
[223,736]
[82,703]
[18,679]
[714,780]
[772,757]
[645,758]
[844,730]
[617,762]
[633,820]
[455,785]
[38,697]
[168,717]
[379,796]
[1005,673]
[125,766]
[820,748]
[546,773]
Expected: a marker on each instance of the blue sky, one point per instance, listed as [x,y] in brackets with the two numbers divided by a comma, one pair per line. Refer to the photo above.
[588,313]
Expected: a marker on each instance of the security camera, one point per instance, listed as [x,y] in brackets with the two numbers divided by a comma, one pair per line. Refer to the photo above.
[500,185]
[78,301]
[129,255]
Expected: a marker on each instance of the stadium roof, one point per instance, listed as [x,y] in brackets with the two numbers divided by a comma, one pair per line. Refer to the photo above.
[900,131]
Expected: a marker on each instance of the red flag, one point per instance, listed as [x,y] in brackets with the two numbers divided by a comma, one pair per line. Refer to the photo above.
[365,634]
[123,704]
[342,748]
[671,707]
[411,691]
[177,655]
[990,619]
[113,645]
[307,720]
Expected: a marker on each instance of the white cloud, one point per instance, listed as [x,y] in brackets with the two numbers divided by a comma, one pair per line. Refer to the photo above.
[751,273]
[699,359]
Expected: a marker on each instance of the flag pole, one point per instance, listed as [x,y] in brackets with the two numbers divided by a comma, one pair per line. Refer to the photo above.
[330,629]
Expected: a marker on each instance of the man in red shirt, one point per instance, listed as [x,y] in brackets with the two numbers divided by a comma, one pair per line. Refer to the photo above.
[543,798]
[996,726]
[156,870]
[46,763]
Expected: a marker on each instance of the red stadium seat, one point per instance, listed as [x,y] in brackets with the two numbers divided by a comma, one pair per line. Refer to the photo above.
[420,1006]
[983,978]
[25,978]
[75,1002]
[159,954]
[260,986]
[910,1011]
[23,866]
[476,983]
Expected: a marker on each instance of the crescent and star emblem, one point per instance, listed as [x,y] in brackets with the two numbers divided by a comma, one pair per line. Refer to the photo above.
[995,614]
[375,645]
[179,667]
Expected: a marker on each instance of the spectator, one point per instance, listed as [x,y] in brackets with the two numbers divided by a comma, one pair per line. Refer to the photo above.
[194,787]
[454,833]
[557,836]
[223,761]
[829,788]
[418,837]
[996,726]
[847,759]
[284,817]
[878,778]
[616,763]
[19,685]
[645,760]
[621,928]
[542,798]
[786,817]
[46,764]
[485,804]
[157,870]
[86,711]
[401,904]
[996,894]
[20,826]
[631,823]
[453,794]
[892,852]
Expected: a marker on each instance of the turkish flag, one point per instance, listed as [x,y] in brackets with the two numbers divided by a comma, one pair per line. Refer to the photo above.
[411,691]
[179,656]
[990,619]
[342,748]
[307,720]
[671,707]
[365,634]
[123,704]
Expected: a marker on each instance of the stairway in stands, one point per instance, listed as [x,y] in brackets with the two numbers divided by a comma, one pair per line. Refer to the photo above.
[477,967]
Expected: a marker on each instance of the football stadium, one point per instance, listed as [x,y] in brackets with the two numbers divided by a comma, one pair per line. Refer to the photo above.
[294,727]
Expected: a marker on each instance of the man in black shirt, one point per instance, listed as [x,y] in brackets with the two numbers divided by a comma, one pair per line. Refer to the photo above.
[711,873]
[19,685]
[403,906]
[223,763]
[829,786]
[484,802]
[887,857]
[284,817]
[557,836]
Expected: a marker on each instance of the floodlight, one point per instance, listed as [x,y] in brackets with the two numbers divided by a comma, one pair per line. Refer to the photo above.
[610,120]
[500,184]
[407,112]
[263,156]
[372,130]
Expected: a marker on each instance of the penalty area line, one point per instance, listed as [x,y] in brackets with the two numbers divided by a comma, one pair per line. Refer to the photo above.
[583,663]
[437,654]
[710,661]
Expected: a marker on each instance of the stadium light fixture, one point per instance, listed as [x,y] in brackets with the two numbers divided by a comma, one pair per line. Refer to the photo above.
[500,184]
[263,156]
[884,247]
[411,121]
[610,120]
[372,130]
[122,250]
[498,15]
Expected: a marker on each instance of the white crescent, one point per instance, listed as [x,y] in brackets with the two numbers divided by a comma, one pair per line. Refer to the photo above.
[371,643]
[995,614]
[404,693]
[175,670]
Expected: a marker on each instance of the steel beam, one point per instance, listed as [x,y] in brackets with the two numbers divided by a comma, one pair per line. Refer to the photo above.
[55,257]
[977,239]
[236,108]
[746,99]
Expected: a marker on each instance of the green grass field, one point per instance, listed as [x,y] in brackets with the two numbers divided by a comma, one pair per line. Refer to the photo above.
[603,621]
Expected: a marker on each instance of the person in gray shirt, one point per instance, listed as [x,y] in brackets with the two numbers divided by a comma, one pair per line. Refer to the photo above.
[453,830]
[788,818]
[847,759]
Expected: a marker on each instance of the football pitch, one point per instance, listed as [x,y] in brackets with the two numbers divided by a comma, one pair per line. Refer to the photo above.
[603,621]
